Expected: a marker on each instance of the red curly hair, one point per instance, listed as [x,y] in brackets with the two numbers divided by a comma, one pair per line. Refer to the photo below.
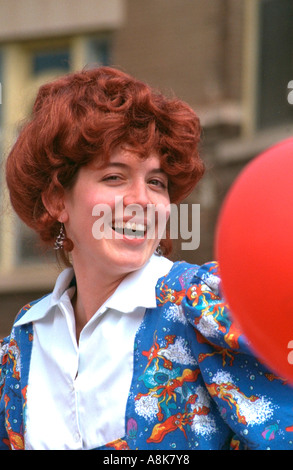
[84,116]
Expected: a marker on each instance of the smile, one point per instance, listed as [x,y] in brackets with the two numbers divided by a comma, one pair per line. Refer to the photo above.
[130,229]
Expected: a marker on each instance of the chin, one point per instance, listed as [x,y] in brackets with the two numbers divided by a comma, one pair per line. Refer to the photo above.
[133,261]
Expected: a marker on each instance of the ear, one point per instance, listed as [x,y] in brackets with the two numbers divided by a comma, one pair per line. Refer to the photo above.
[54,204]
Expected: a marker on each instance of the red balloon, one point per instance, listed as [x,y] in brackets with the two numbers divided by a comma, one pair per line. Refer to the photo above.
[254,248]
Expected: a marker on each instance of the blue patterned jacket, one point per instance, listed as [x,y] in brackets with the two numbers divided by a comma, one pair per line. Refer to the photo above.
[195,383]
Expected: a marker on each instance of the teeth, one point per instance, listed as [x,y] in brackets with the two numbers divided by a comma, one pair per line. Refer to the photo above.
[130,226]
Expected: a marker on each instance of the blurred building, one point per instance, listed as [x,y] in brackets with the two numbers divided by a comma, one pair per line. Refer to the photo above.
[230,60]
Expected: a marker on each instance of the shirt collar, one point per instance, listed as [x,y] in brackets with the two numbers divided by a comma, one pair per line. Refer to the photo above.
[138,289]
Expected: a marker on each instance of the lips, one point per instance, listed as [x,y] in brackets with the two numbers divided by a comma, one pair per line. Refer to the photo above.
[130,229]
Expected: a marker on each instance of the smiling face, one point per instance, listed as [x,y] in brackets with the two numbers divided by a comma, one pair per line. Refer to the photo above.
[109,212]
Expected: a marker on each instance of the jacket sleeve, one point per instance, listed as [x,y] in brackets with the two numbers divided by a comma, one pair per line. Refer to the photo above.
[4,441]
[257,405]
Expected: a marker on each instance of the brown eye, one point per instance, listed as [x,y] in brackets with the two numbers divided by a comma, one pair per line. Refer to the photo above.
[158,183]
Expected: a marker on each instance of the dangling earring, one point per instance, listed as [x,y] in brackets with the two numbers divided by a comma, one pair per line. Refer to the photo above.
[60,238]
[158,251]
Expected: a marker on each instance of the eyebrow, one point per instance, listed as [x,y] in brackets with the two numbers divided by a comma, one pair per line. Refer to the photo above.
[126,166]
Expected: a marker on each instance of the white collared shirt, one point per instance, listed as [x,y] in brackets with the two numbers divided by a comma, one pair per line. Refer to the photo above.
[77,393]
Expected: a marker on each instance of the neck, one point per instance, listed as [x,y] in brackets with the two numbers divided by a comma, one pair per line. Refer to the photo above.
[92,290]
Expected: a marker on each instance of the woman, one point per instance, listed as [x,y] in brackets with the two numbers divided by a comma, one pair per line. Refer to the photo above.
[130,350]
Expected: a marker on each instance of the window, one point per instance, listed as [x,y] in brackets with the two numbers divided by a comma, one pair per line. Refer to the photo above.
[275,63]
[98,52]
[1,70]
[46,63]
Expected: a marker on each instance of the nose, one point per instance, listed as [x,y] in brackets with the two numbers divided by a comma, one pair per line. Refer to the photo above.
[137,194]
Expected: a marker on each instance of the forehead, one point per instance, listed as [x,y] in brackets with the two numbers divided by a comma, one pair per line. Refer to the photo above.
[131,157]
[128,158]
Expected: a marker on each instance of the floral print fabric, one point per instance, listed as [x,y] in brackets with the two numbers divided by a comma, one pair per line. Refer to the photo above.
[195,384]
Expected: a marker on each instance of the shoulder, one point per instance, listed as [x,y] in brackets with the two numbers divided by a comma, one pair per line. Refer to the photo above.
[209,275]
[15,349]
[4,342]
[206,308]
[25,309]
[8,343]
[183,277]
[203,288]
[184,274]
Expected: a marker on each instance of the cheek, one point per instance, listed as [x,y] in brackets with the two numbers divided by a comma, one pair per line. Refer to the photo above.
[163,214]
[92,202]
[163,207]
